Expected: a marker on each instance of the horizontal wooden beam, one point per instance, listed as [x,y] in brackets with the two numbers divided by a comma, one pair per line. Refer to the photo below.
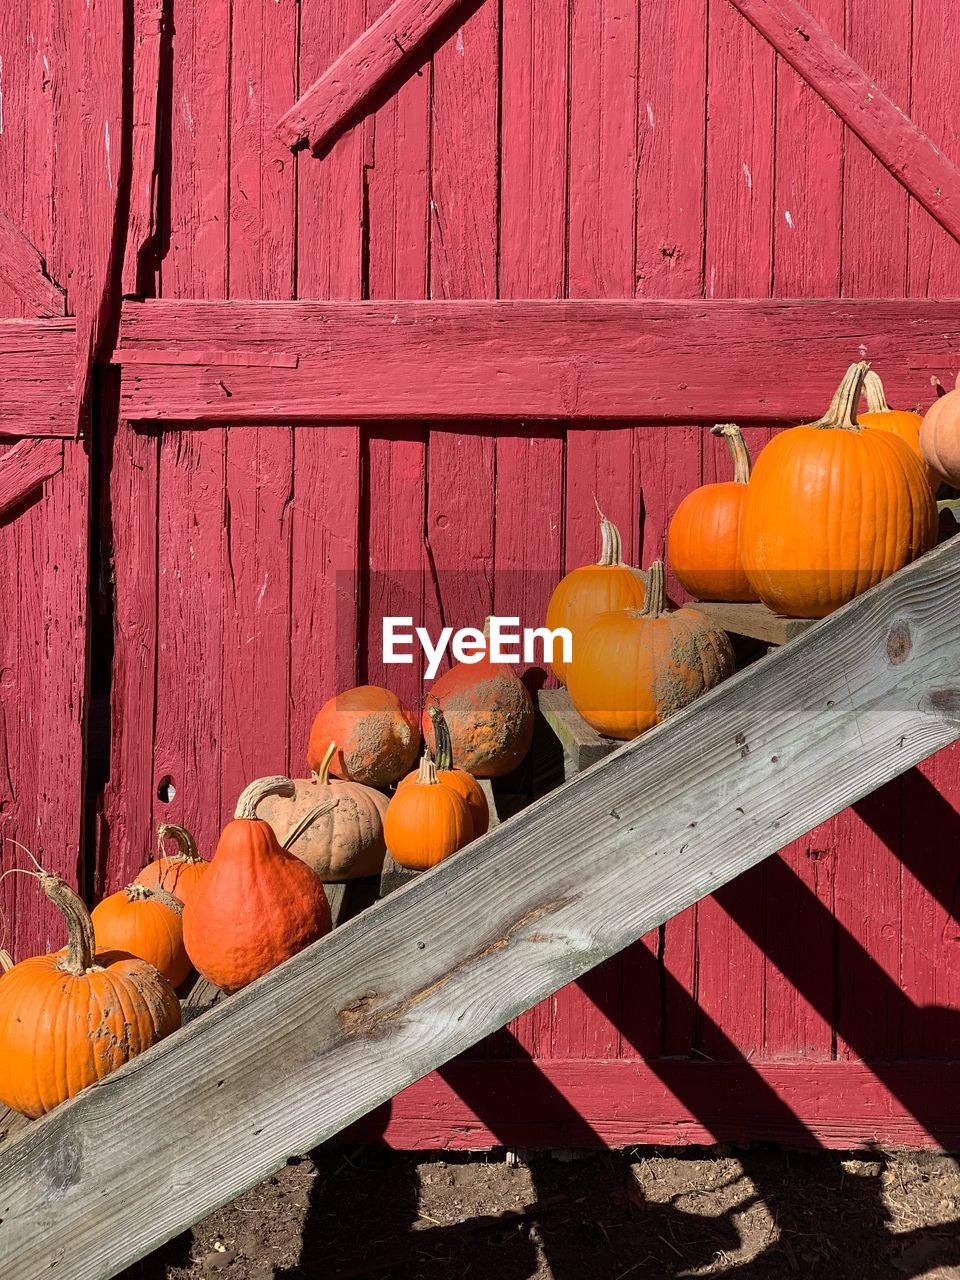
[905,151]
[479,361]
[24,467]
[23,269]
[393,40]
[400,990]
[37,378]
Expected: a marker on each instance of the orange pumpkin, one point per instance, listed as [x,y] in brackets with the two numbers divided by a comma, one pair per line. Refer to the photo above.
[489,714]
[147,923]
[426,822]
[336,828]
[832,509]
[258,905]
[899,422]
[940,437]
[637,667]
[463,783]
[376,736]
[592,589]
[69,1019]
[178,873]
[703,541]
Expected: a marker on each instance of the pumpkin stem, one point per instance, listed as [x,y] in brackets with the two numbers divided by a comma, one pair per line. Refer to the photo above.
[322,775]
[655,600]
[876,396]
[81,948]
[444,746]
[6,960]
[307,821]
[738,449]
[938,386]
[258,791]
[143,893]
[842,414]
[427,777]
[186,845]
[611,544]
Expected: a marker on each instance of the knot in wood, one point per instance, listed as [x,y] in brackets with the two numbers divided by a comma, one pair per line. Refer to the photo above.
[899,643]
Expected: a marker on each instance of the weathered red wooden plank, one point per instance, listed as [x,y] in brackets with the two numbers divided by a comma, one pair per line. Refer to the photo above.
[913,159]
[149,33]
[37,377]
[393,40]
[480,360]
[24,467]
[23,270]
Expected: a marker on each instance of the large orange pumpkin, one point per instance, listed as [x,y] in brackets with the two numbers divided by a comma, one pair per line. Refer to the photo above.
[637,667]
[463,783]
[147,923]
[69,1019]
[703,541]
[592,589]
[179,873]
[832,509]
[258,905]
[376,736]
[940,437]
[899,422]
[335,827]
[426,822]
[489,714]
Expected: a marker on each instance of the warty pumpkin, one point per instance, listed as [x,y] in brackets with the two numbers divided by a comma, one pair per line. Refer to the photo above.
[69,1019]
[376,736]
[257,905]
[178,873]
[833,508]
[335,827]
[636,667]
[147,923]
[940,437]
[488,712]
[426,822]
[899,422]
[463,783]
[703,540]
[592,589]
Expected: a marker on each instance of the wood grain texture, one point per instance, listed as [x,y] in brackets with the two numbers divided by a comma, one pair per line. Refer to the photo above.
[23,270]
[902,148]
[150,31]
[754,620]
[516,360]
[353,1019]
[393,40]
[24,467]
[37,377]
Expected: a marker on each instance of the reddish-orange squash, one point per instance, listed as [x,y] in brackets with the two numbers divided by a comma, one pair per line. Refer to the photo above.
[703,541]
[940,437]
[637,667]
[147,923]
[335,827]
[178,873]
[463,783]
[258,905]
[899,422]
[69,1019]
[489,714]
[832,509]
[376,736]
[592,589]
[426,822]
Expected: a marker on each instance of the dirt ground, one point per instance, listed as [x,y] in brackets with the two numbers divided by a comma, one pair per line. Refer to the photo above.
[754,1214]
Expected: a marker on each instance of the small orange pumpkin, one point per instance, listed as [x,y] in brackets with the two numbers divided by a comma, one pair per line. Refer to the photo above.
[147,923]
[178,873]
[463,783]
[592,589]
[899,422]
[703,541]
[637,667]
[426,822]
[257,905]
[69,1019]
[832,509]
[376,736]
[336,828]
[940,437]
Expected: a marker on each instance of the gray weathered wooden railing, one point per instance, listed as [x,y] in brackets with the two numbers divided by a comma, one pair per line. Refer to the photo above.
[427,972]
